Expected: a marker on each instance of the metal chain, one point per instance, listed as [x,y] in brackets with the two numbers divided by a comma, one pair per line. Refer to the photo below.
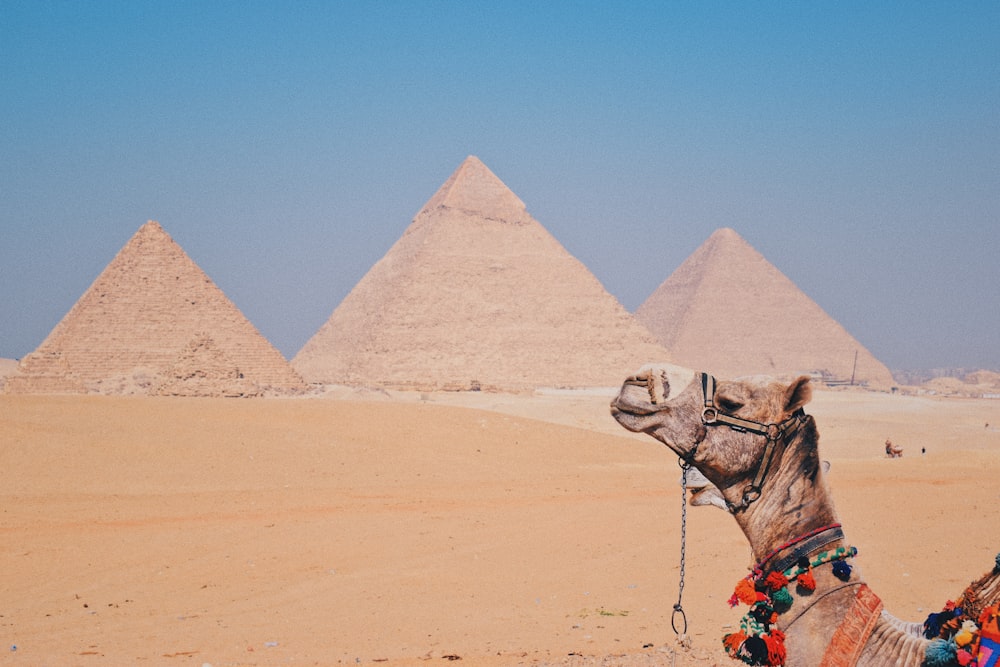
[682,637]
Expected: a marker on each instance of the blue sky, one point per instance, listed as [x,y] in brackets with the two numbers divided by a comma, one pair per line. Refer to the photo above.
[286,146]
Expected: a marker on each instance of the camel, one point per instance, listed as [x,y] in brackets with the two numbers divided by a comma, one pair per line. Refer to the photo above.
[893,451]
[757,450]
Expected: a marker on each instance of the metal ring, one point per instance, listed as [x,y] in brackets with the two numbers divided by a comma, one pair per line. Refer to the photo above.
[709,415]
[673,623]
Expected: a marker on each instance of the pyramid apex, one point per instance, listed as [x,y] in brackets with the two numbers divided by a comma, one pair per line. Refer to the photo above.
[725,234]
[475,190]
[151,228]
[727,242]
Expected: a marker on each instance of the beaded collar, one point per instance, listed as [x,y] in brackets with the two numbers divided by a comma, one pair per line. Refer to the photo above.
[801,546]
[759,641]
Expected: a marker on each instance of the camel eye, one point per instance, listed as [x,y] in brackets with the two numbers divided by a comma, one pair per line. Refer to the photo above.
[728,404]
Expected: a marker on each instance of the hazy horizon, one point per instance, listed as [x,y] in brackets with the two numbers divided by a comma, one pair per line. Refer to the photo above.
[287,148]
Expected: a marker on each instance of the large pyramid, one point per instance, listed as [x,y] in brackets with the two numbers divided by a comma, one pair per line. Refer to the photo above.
[729,311]
[154,323]
[477,294]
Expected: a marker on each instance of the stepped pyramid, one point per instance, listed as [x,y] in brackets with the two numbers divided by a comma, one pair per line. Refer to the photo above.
[477,294]
[728,311]
[154,323]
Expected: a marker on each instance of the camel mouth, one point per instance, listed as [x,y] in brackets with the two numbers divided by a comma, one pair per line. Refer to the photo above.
[627,404]
[632,407]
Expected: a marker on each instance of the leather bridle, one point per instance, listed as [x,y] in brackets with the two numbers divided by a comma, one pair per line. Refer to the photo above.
[712,415]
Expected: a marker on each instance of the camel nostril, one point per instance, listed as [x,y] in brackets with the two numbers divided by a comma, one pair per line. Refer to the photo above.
[659,387]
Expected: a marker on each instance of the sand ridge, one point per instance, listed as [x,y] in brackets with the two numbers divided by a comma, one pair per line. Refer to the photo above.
[409,529]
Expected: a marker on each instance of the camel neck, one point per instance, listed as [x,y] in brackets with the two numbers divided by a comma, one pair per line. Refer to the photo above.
[795,501]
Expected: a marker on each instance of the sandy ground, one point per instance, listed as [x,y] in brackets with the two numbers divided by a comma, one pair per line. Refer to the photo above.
[367,528]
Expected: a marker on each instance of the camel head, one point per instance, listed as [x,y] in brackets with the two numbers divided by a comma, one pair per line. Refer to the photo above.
[728,430]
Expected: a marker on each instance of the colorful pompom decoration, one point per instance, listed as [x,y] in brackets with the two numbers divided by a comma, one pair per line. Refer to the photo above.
[782,600]
[957,640]
[775,647]
[842,570]
[746,592]
[966,633]
[932,625]
[806,581]
[733,641]
[776,581]
[759,641]
[754,651]
[939,623]
[756,643]
[941,653]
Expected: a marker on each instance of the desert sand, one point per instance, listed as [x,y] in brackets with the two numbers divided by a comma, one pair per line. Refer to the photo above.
[417,529]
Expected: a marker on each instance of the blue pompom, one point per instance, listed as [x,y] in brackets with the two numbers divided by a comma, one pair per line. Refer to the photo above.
[842,570]
[996,566]
[932,626]
[941,653]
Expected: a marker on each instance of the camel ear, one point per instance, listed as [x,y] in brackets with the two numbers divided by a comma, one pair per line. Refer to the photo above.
[798,394]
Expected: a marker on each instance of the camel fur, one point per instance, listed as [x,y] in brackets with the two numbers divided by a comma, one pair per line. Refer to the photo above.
[666,402]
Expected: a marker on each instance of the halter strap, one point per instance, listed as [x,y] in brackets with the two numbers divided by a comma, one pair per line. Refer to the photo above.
[711,415]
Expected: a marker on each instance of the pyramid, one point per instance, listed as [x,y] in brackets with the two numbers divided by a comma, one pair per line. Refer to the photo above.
[729,311]
[476,294]
[154,323]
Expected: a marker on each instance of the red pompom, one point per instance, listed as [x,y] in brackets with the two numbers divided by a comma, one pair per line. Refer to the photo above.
[733,641]
[776,581]
[806,581]
[745,592]
[775,647]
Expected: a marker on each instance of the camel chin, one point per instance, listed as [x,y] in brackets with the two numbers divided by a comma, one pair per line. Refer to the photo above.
[709,496]
[703,492]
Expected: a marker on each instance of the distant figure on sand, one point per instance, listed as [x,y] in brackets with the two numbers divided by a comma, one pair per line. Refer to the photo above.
[892,451]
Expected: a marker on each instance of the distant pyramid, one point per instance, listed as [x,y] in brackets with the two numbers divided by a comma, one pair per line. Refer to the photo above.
[477,294]
[728,311]
[154,323]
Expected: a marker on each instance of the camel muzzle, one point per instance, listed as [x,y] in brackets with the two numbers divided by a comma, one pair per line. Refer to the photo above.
[649,390]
